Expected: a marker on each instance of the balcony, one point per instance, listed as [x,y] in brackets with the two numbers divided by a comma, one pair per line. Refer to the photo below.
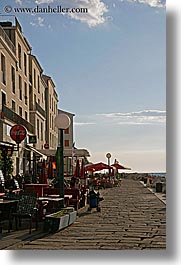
[14,117]
[40,110]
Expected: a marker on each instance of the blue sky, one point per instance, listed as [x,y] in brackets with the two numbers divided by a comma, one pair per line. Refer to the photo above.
[109,69]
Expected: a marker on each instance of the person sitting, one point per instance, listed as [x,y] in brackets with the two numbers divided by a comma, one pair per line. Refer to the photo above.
[77,184]
[72,182]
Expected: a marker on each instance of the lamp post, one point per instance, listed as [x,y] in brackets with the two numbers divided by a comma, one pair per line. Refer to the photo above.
[62,122]
[108,155]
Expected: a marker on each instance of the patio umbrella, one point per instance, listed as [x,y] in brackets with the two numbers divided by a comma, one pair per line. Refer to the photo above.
[50,168]
[97,167]
[77,169]
[43,174]
[118,166]
[82,171]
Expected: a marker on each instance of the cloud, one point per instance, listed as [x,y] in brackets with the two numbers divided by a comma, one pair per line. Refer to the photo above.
[94,16]
[145,117]
[20,2]
[83,123]
[39,22]
[39,2]
[152,3]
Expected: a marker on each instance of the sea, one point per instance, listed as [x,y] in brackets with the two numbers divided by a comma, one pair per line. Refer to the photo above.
[158,174]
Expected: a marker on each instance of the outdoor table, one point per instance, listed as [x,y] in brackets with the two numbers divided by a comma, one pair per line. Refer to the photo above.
[67,198]
[48,198]
[36,187]
[49,204]
[2,195]
[6,208]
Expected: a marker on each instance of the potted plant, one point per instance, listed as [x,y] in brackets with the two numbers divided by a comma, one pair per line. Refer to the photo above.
[59,220]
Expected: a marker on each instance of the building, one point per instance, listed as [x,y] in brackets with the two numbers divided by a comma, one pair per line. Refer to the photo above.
[37,101]
[70,154]
[68,133]
[29,98]
[14,89]
[51,98]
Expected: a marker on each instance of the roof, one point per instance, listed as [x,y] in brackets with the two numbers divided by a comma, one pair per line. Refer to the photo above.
[66,112]
[36,62]
[67,152]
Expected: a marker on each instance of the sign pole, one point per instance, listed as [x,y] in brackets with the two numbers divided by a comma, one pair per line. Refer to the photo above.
[18,134]
[17,159]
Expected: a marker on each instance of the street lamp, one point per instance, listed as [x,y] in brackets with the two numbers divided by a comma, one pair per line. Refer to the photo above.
[108,155]
[62,122]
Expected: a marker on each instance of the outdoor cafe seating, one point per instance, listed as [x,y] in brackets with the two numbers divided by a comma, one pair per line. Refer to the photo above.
[26,209]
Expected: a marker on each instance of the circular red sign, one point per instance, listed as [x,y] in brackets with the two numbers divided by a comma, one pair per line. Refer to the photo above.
[18,133]
[46,146]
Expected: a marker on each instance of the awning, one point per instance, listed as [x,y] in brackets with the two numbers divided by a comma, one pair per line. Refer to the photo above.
[67,152]
[6,144]
[37,152]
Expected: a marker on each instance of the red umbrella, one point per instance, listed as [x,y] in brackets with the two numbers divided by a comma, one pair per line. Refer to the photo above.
[77,169]
[97,167]
[82,171]
[118,166]
[43,174]
[50,168]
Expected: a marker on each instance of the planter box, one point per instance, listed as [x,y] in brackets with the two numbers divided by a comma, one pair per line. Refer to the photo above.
[59,220]
[72,217]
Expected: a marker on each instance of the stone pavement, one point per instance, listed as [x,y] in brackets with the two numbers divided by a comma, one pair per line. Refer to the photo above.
[131,217]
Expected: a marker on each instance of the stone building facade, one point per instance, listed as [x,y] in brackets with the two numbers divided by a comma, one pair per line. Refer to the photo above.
[27,97]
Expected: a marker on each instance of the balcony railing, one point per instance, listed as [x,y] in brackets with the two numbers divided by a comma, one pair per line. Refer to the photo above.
[14,117]
[40,110]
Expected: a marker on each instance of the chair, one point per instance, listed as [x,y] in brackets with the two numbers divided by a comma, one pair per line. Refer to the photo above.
[75,200]
[26,209]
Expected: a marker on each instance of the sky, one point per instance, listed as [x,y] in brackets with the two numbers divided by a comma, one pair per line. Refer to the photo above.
[109,67]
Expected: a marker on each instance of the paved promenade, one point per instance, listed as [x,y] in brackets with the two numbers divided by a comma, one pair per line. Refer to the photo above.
[131,217]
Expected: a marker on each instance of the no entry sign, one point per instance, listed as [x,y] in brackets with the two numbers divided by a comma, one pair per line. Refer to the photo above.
[18,133]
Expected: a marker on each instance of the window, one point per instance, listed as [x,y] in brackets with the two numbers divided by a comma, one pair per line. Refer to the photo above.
[52,104]
[50,120]
[25,64]
[19,55]
[26,93]
[50,101]
[34,78]
[13,79]
[38,101]
[34,99]
[38,128]
[8,129]
[66,143]
[41,131]
[20,87]
[38,84]
[13,106]
[26,115]
[66,131]
[20,111]
[3,69]
[3,97]
[50,139]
